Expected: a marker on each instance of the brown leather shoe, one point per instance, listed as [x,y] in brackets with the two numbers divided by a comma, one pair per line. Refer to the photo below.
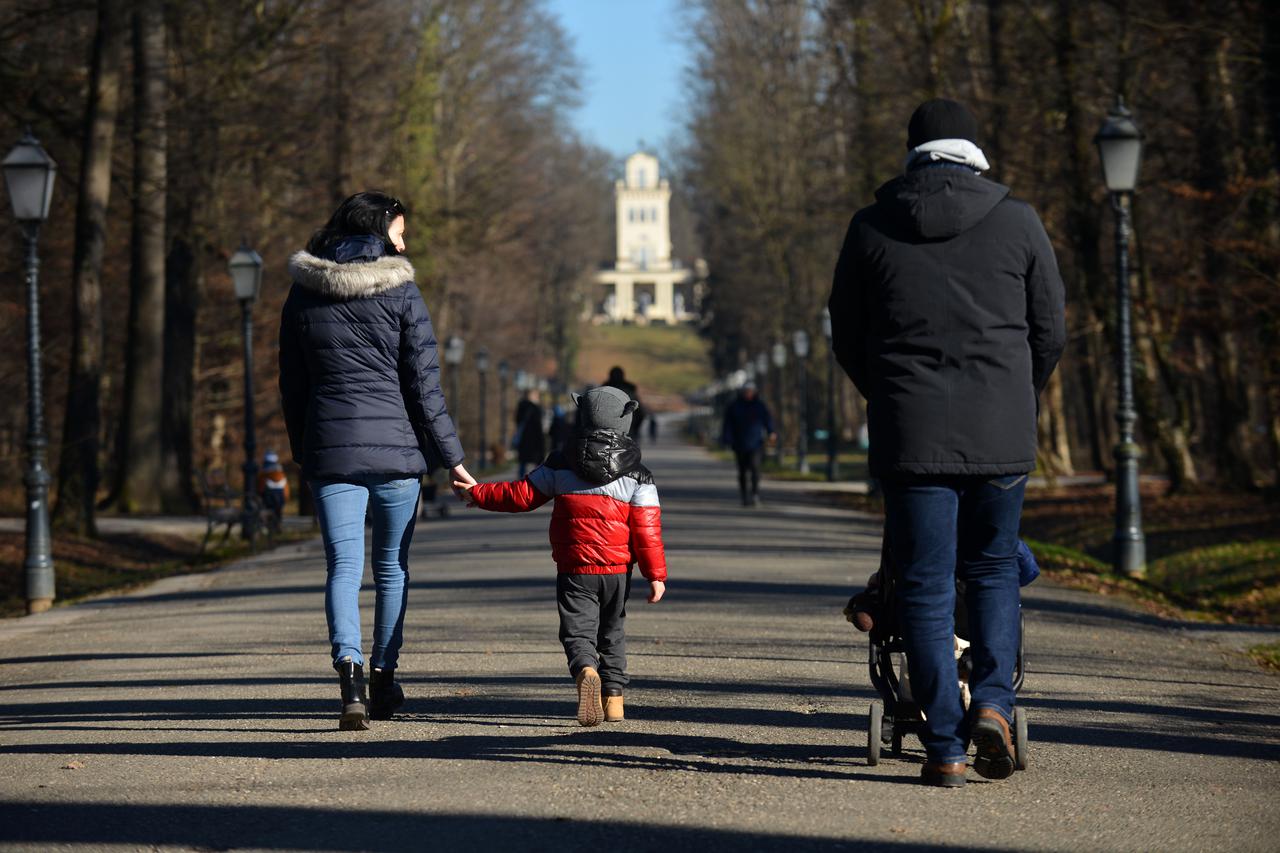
[590,709]
[613,708]
[990,734]
[943,775]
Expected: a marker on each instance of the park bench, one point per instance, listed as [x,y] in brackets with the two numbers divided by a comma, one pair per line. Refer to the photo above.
[224,507]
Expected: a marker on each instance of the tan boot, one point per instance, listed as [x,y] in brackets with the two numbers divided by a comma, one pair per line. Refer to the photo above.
[590,709]
[613,708]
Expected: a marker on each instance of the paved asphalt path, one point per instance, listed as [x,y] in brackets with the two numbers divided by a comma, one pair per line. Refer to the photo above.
[202,713]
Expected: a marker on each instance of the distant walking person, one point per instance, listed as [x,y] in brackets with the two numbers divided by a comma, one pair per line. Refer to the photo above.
[529,441]
[273,487]
[747,426]
[947,313]
[360,381]
[618,379]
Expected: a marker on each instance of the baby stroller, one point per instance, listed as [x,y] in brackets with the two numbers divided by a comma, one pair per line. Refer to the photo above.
[895,714]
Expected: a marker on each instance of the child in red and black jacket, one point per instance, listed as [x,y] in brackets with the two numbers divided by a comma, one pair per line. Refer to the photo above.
[606,520]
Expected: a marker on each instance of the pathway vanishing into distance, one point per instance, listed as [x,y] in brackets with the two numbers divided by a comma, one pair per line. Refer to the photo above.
[202,712]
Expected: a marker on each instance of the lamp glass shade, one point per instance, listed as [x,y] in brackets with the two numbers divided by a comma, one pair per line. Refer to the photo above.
[826,324]
[762,364]
[28,174]
[504,370]
[522,380]
[779,355]
[800,342]
[454,351]
[482,360]
[245,267]
[1119,144]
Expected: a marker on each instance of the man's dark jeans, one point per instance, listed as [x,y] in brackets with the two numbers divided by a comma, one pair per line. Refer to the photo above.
[749,471]
[939,527]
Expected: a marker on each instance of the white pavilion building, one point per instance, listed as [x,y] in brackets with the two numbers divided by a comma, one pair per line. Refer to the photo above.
[644,284]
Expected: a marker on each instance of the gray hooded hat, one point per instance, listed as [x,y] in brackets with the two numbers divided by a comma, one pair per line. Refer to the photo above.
[605,408]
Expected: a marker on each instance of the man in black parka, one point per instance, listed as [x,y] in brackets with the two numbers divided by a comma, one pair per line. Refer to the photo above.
[947,313]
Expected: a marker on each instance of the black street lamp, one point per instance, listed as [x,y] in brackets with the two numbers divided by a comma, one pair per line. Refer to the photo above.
[454,350]
[1119,144]
[800,343]
[833,443]
[29,173]
[482,367]
[246,276]
[504,375]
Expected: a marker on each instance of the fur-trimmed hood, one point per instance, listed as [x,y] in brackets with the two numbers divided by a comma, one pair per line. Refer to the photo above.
[350,280]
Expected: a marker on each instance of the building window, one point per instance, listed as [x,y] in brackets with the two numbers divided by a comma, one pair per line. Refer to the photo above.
[631,214]
[653,214]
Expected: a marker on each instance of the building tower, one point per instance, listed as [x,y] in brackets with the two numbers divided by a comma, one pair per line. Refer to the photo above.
[644,283]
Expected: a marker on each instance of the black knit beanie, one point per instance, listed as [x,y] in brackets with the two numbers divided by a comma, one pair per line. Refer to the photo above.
[941,118]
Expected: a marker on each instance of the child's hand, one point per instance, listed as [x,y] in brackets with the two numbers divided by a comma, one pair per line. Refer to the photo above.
[656,589]
[463,491]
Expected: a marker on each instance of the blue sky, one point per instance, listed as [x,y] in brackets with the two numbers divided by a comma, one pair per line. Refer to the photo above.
[633,59]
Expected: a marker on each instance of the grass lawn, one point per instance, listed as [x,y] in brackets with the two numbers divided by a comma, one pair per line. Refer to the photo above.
[1211,555]
[665,362]
[85,567]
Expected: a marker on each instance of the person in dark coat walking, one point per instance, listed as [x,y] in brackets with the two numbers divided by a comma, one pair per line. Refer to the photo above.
[530,441]
[618,379]
[360,385]
[747,427]
[947,313]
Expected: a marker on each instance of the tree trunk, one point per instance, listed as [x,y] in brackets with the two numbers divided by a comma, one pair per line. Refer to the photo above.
[1055,445]
[181,307]
[78,471]
[141,471]
[1219,163]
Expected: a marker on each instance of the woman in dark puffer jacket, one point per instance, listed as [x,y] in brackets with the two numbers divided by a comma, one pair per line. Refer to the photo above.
[360,382]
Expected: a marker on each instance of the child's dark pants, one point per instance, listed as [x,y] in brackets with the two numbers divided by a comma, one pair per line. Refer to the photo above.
[592,612]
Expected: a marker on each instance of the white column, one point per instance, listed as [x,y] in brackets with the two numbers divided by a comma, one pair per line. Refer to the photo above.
[624,299]
[664,300]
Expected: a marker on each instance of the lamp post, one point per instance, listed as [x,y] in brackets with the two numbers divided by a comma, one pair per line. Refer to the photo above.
[778,354]
[833,443]
[29,174]
[800,343]
[1119,144]
[245,267]
[482,367]
[504,375]
[454,350]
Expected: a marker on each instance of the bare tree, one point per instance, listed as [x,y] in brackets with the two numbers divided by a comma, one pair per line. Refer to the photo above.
[78,471]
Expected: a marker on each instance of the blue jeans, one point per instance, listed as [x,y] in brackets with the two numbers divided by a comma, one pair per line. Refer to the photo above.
[938,528]
[392,501]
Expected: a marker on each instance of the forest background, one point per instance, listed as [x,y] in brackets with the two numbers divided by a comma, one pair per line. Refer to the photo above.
[182,127]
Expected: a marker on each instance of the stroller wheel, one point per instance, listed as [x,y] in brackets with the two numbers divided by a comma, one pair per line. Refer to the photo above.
[1020,745]
[895,745]
[875,721]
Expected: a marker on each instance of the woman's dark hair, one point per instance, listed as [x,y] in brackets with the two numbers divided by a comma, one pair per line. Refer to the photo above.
[367,213]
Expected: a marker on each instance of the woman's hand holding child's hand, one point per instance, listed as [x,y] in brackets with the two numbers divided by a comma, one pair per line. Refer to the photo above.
[462,482]
[463,491]
[656,590]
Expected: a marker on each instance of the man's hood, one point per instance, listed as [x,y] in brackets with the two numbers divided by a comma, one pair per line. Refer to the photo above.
[350,280]
[603,455]
[937,202]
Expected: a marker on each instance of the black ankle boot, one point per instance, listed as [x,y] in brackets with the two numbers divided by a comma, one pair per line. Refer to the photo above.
[385,695]
[355,716]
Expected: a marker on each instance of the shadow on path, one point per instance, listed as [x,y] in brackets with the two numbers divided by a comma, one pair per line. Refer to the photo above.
[277,828]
